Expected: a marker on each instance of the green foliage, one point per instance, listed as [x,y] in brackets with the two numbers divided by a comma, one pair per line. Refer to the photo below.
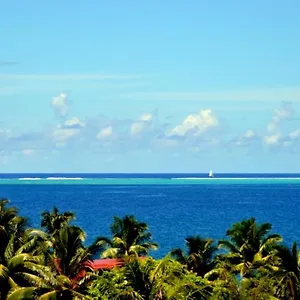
[200,255]
[288,272]
[249,246]
[54,263]
[149,280]
[129,237]
[55,221]
[258,288]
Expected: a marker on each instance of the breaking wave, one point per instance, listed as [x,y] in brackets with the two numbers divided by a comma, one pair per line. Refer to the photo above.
[30,178]
[64,178]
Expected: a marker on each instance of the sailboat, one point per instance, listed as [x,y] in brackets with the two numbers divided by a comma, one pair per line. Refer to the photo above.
[211,174]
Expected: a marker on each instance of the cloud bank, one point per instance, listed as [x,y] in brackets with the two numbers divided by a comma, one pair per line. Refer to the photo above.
[195,134]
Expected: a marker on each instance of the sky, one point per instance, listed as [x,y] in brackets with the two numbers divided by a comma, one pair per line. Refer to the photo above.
[150,86]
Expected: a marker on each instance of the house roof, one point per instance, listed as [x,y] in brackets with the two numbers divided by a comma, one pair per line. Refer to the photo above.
[107,263]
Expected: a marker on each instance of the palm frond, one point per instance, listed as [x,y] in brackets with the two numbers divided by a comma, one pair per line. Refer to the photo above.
[22,293]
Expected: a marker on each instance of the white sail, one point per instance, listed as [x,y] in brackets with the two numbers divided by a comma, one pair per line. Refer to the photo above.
[211,174]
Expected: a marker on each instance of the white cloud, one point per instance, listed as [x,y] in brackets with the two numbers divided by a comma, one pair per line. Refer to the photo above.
[249,134]
[143,123]
[67,130]
[73,123]
[279,115]
[247,138]
[294,134]
[136,128]
[196,124]
[146,117]
[63,135]
[105,133]
[275,137]
[59,103]
[272,140]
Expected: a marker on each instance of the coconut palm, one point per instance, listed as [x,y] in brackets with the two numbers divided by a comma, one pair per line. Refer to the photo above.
[199,257]
[59,287]
[69,254]
[288,273]
[249,245]
[14,264]
[64,265]
[11,224]
[20,269]
[129,237]
[68,267]
[54,221]
[6,213]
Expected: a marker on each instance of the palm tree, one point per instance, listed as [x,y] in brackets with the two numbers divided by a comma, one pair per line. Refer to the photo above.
[199,258]
[11,224]
[6,213]
[19,268]
[15,266]
[288,273]
[55,265]
[54,221]
[67,270]
[249,245]
[129,237]
[69,254]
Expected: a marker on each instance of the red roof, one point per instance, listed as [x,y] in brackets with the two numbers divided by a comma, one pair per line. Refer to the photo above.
[107,263]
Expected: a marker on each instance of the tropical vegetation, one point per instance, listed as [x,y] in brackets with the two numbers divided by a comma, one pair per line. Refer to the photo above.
[54,262]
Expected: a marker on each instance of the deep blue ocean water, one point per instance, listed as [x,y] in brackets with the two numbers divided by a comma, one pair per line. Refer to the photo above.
[174,205]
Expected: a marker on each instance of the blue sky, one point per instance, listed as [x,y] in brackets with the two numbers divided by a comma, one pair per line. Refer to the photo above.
[152,86]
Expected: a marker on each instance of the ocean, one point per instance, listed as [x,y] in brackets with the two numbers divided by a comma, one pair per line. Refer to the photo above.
[175,206]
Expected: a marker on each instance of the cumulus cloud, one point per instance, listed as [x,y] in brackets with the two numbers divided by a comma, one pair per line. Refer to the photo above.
[142,124]
[272,140]
[67,130]
[249,134]
[196,124]
[60,105]
[279,115]
[248,137]
[292,140]
[295,134]
[73,123]
[196,133]
[61,136]
[275,137]
[105,133]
